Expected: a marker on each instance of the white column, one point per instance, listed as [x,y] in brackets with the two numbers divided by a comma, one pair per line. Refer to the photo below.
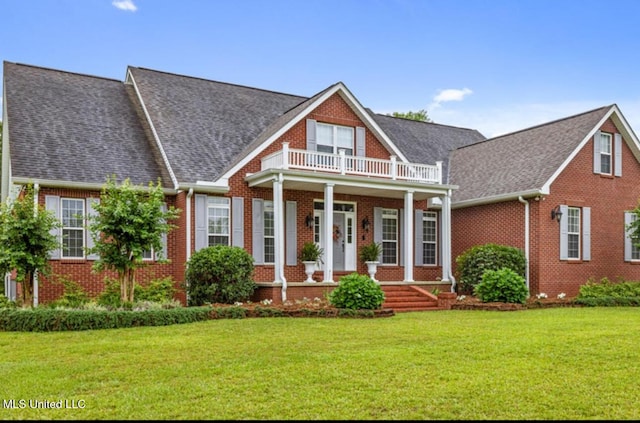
[408,236]
[278,226]
[446,238]
[328,233]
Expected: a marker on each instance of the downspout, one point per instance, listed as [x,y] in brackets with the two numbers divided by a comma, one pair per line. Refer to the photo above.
[188,229]
[526,239]
[447,271]
[447,218]
[36,188]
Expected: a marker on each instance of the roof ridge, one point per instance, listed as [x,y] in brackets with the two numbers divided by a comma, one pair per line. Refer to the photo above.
[63,71]
[217,82]
[422,121]
[540,125]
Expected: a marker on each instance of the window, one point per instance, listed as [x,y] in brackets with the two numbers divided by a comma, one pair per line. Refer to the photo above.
[219,221]
[635,251]
[389,236]
[573,232]
[605,153]
[332,138]
[147,254]
[269,233]
[429,238]
[72,228]
[631,250]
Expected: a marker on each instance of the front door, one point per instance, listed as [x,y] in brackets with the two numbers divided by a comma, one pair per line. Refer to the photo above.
[342,236]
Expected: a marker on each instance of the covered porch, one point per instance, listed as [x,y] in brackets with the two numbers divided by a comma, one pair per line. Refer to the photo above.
[368,184]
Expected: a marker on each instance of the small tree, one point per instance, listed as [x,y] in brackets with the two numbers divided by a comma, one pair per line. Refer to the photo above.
[129,221]
[26,239]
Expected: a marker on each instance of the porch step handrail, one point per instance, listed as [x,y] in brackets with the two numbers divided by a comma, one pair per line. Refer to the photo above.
[289,158]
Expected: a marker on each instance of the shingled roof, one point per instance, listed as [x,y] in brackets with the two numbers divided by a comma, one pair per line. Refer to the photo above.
[70,127]
[426,142]
[204,125]
[519,162]
[79,128]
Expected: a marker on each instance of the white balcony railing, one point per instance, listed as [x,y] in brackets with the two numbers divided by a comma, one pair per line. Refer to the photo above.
[352,165]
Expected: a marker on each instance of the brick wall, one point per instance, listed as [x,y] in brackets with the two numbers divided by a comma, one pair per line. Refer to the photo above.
[607,196]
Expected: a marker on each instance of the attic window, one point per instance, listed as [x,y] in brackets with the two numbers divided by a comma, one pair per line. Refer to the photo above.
[605,153]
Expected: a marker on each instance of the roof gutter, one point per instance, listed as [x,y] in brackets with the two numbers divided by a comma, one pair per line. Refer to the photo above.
[205,188]
[526,239]
[500,198]
[91,186]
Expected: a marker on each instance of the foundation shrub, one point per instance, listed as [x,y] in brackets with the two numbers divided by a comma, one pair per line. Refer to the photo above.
[357,292]
[502,285]
[475,261]
[607,293]
[73,296]
[110,297]
[220,274]
[158,290]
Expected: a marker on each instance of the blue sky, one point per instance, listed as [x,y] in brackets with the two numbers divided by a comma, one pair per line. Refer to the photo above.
[492,65]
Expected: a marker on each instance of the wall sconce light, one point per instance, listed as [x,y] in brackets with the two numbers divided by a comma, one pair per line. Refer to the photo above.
[556,213]
[365,224]
[309,221]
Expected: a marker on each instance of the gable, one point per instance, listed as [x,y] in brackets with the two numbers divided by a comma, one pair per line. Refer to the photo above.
[520,163]
[348,110]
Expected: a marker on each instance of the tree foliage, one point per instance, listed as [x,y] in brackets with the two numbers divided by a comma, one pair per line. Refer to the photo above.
[26,239]
[129,221]
[420,115]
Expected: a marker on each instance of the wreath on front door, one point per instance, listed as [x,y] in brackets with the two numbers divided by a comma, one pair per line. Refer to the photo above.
[336,232]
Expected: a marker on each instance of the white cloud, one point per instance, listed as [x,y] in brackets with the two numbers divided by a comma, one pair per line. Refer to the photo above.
[125,5]
[450,94]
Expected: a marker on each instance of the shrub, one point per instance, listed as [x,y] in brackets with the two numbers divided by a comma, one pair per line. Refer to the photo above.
[7,303]
[73,295]
[110,297]
[357,292]
[606,288]
[219,274]
[478,259]
[502,285]
[158,291]
[607,293]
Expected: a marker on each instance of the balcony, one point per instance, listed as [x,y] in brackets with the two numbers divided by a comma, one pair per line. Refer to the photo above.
[352,165]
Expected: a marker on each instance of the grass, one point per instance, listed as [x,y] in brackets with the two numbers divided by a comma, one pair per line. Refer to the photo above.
[550,364]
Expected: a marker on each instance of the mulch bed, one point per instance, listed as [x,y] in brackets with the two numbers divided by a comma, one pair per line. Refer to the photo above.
[473,303]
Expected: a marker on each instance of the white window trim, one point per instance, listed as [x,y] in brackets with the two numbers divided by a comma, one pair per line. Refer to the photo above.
[334,137]
[268,207]
[634,250]
[73,228]
[390,214]
[609,140]
[214,203]
[579,233]
[430,217]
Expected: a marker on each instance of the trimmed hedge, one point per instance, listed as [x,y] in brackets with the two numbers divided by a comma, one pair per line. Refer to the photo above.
[48,320]
[52,320]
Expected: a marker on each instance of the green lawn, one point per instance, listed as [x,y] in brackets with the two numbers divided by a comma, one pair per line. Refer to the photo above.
[563,363]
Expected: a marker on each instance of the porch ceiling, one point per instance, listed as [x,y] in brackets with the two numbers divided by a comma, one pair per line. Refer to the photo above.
[346,184]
